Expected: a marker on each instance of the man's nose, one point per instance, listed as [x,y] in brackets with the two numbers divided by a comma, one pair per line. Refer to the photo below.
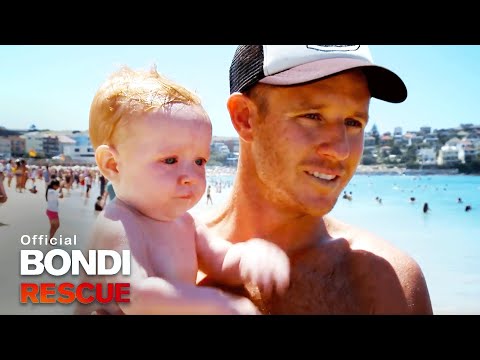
[334,142]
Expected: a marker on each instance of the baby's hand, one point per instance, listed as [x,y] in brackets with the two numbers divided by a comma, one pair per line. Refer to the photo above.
[266,266]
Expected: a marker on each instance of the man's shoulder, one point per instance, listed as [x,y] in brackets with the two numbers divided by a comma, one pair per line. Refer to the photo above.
[373,251]
[391,264]
[363,239]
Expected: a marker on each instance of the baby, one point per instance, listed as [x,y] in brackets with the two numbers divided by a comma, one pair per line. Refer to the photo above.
[152,140]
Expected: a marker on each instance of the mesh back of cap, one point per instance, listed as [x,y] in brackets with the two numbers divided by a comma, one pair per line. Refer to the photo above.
[246,68]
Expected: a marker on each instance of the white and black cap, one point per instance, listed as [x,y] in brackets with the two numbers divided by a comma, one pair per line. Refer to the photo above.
[297,64]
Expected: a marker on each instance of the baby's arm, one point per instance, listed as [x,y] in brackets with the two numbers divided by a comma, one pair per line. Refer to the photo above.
[157,296]
[258,261]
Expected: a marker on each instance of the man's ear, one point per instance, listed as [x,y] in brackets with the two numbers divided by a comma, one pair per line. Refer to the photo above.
[241,110]
[106,158]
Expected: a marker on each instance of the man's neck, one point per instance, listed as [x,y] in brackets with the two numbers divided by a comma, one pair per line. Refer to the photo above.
[247,214]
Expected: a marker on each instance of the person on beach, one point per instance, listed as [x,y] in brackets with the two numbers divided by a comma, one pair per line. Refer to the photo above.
[110,190]
[20,170]
[46,175]
[100,203]
[52,195]
[209,195]
[3,193]
[10,167]
[88,184]
[152,140]
[103,182]
[300,112]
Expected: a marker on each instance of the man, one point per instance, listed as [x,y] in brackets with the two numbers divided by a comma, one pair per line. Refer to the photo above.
[3,193]
[300,112]
[209,195]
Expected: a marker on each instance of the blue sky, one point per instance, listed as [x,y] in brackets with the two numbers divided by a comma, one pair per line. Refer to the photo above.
[52,86]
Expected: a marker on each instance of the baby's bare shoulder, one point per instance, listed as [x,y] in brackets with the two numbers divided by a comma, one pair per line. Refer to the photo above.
[111,233]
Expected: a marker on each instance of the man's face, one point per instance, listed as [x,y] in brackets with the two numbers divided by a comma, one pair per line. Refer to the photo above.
[308,143]
[162,158]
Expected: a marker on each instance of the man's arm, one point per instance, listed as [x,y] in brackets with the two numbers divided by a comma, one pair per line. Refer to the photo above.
[415,289]
[392,279]
[399,271]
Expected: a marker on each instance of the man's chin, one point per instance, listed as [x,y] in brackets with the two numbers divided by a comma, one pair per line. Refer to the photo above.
[319,208]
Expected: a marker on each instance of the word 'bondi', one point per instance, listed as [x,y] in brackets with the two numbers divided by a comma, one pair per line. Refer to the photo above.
[100,262]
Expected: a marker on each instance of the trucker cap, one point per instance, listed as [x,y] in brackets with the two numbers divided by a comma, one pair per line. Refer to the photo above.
[297,64]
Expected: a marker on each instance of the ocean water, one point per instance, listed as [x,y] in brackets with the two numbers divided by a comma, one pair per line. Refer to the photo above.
[445,241]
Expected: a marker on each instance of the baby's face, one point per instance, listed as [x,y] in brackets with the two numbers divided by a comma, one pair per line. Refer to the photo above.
[161,161]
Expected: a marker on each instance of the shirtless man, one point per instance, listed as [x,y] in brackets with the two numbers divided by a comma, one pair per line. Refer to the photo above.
[300,112]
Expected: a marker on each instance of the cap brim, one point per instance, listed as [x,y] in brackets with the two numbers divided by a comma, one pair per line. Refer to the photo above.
[384,84]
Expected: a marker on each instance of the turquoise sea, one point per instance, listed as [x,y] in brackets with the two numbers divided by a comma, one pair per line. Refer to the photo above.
[445,241]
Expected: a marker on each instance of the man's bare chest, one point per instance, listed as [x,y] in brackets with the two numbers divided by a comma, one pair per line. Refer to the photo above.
[313,291]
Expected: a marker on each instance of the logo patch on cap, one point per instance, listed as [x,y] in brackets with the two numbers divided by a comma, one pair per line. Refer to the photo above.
[328,48]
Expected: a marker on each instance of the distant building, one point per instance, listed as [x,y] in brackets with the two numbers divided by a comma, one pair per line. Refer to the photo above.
[448,155]
[17,145]
[427,156]
[431,140]
[413,138]
[232,159]
[466,151]
[220,147]
[425,130]
[34,143]
[50,144]
[65,142]
[81,149]
[369,142]
[386,140]
[233,144]
[5,148]
[399,140]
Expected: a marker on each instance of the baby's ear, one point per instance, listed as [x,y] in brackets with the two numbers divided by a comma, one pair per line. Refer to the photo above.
[105,157]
